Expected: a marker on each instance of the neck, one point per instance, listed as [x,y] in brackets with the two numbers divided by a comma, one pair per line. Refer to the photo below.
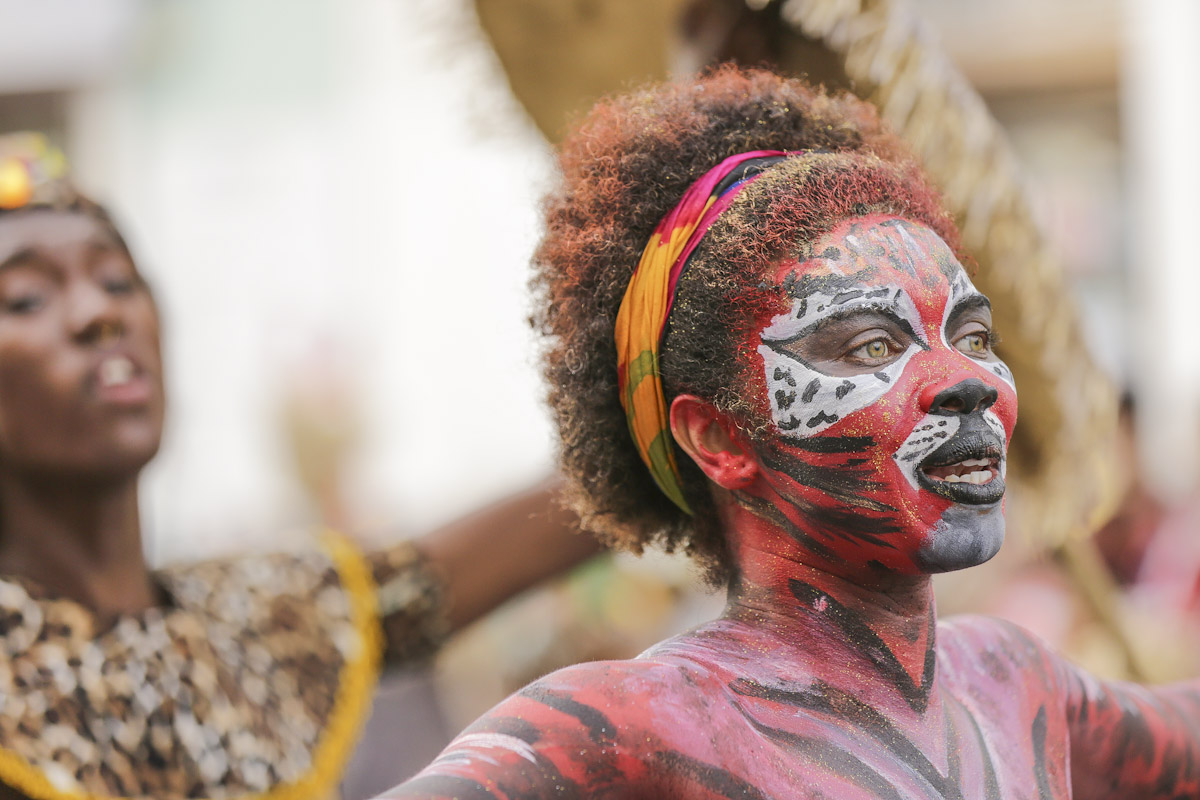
[881,623]
[80,540]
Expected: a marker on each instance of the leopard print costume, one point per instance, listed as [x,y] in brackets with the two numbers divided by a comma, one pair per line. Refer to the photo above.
[251,682]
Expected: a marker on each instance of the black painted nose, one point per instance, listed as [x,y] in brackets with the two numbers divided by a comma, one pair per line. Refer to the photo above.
[964,398]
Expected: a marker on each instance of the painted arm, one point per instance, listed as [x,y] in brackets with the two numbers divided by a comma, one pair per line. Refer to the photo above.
[550,740]
[606,730]
[1132,741]
[457,573]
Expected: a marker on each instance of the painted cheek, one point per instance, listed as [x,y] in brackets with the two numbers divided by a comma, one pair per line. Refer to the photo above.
[896,419]
[1005,406]
[853,497]
[892,421]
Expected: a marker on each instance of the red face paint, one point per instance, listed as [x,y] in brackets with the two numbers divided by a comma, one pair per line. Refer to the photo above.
[817,682]
[891,413]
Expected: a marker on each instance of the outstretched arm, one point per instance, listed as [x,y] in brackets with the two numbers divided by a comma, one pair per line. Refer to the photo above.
[553,739]
[499,551]
[1132,741]
[438,583]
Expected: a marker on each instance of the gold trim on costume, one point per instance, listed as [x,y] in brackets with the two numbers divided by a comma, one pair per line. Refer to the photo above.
[356,686]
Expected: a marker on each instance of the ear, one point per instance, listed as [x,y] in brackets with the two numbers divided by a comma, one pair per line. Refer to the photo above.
[708,437]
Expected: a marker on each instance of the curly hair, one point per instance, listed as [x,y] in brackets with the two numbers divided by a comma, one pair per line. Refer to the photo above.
[623,169]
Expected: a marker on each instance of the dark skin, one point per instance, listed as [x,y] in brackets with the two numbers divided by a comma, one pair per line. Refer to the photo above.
[73,309]
[498,551]
[81,409]
[81,413]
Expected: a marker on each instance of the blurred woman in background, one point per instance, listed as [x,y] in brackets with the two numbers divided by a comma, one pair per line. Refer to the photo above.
[239,677]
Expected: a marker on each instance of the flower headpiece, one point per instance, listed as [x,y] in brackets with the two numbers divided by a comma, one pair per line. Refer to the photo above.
[32,172]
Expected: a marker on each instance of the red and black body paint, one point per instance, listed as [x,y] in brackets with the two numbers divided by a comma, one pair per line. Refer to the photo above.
[828,675]
[848,465]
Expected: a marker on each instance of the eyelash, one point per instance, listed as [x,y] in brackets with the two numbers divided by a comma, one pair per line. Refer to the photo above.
[892,345]
[120,285]
[23,305]
[990,340]
[989,336]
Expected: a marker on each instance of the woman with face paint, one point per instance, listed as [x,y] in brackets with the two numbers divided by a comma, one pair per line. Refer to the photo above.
[237,678]
[804,396]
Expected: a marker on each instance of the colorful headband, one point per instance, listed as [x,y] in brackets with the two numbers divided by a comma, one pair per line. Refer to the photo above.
[32,172]
[646,306]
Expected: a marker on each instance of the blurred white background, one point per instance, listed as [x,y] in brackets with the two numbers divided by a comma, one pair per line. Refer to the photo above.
[320,191]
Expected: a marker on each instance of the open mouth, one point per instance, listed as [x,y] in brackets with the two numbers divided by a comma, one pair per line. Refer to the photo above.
[118,379]
[977,471]
[967,469]
[116,370]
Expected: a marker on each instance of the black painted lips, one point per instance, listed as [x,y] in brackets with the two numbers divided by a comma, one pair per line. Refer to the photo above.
[974,439]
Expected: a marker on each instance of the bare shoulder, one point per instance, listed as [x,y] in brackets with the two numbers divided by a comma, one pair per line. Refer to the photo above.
[649,670]
[973,649]
[978,632]
[590,730]
[612,701]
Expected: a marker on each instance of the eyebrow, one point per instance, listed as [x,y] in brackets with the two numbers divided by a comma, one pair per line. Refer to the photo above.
[23,256]
[885,310]
[969,303]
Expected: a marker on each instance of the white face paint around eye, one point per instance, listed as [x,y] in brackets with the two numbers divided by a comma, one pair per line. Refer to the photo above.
[961,289]
[805,401]
[934,429]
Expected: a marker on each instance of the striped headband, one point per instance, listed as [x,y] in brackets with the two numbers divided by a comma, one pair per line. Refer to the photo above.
[642,317]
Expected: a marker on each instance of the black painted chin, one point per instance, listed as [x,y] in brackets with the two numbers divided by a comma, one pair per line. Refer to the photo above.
[964,536]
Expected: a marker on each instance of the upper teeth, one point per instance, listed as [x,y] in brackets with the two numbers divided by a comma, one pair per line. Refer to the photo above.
[115,371]
[970,470]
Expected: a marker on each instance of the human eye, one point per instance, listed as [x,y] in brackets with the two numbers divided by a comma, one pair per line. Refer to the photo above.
[119,286]
[976,342]
[24,292]
[873,349]
[24,303]
[115,274]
